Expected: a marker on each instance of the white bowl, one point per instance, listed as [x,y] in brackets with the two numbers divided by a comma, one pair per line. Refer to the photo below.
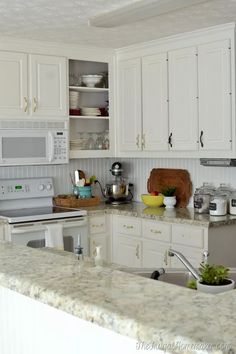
[91,80]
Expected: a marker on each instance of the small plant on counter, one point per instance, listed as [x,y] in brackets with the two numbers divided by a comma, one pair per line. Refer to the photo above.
[169,191]
[214,274]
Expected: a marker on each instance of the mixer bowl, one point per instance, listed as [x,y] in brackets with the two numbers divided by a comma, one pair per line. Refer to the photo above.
[116,191]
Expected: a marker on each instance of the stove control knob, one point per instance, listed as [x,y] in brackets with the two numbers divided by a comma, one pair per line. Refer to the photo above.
[48,186]
[41,187]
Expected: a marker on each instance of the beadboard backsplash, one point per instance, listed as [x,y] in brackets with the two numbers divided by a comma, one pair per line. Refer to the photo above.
[137,171]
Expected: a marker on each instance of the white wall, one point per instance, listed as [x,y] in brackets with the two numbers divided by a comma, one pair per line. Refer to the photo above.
[137,170]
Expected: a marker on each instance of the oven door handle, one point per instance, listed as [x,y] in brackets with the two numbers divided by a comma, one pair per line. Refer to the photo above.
[42,227]
[21,230]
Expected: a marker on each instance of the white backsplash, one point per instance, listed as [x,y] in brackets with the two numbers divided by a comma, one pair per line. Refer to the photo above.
[137,171]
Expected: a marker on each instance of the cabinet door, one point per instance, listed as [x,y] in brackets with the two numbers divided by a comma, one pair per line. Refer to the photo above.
[98,240]
[214,71]
[155,254]
[48,85]
[183,101]
[126,251]
[129,106]
[13,84]
[155,105]
[193,255]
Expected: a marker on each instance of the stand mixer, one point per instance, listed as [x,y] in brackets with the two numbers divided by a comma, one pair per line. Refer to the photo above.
[117,191]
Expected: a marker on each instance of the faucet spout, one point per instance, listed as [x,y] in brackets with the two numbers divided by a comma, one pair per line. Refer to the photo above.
[185,262]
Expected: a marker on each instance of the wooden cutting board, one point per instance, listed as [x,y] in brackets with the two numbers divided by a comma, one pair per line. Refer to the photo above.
[161,178]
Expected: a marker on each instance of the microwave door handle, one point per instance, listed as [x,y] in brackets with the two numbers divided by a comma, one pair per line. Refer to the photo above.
[51,147]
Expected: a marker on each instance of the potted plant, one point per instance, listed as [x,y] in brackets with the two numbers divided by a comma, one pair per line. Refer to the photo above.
[214,279]
[169,197]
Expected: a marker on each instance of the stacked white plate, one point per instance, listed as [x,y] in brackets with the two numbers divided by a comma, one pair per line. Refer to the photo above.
[90,111]
[74,99]
[78,144]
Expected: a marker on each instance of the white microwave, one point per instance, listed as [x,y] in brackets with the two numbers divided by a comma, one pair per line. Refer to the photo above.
[33,143]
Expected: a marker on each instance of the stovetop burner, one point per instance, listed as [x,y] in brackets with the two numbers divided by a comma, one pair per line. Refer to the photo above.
[37,214]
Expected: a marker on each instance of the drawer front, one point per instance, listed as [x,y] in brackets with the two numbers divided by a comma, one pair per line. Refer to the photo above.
[157,231]
[188,236]
[97,224]
[129,226]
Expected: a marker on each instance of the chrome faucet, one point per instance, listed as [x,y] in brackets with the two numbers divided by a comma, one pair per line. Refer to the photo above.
[185,262]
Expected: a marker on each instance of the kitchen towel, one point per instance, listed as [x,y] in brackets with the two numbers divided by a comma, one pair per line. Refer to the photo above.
[54,236]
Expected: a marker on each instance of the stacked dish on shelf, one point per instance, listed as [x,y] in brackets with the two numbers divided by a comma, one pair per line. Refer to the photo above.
[90,111]
[78,144]
[91,80]
[74,99]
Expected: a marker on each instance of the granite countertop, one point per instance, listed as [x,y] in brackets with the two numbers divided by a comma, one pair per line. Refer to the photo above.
[176,215]
[127,304]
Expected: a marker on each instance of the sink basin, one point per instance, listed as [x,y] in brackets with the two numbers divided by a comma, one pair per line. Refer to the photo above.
[172,276]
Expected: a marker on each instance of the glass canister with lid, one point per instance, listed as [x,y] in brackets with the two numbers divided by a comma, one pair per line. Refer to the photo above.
[232,203]
[202,198]
[218,204]
[226,188]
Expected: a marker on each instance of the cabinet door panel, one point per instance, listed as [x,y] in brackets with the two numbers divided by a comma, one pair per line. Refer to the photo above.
[13,84]
[214,95]
[126,251]
[95,241]
[155,254]
[48,85]
[183,105]
[193,255]
[155,105]
[129,115]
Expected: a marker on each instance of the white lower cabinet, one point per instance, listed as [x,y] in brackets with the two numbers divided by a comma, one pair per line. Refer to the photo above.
[142,243]
[98,236]
[127,251]
[155,254]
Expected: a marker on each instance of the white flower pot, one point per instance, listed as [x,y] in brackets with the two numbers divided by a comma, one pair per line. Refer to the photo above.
[169,202]
[215,289]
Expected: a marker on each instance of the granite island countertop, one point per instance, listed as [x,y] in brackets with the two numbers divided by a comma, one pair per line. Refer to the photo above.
[130,305]
[176,215]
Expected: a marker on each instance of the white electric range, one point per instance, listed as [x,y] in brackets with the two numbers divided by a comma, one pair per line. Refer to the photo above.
[26,208]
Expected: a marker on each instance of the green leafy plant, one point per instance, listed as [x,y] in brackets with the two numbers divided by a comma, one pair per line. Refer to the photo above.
[213,274]
[169,191]
[192,284]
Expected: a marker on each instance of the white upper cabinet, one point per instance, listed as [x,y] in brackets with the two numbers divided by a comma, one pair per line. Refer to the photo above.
[32,85]
[214,76]
[48,85]
[183,105]
[155,102]
[129,111]
[13,84]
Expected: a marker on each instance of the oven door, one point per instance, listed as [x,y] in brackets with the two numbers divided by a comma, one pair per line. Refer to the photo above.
[26,147]
[33,234]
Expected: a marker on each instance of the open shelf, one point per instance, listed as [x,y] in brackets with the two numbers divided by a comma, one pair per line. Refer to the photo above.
[89,117]
[88,89]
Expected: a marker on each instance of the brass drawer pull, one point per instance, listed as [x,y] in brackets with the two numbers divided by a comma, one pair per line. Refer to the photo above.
[155,231]
[97,225]
[128,226]
[137,252]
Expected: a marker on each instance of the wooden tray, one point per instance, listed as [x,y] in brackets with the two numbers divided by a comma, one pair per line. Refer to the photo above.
[161,178]
[70,201]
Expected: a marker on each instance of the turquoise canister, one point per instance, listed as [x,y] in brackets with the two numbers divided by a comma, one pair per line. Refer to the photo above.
[85,192]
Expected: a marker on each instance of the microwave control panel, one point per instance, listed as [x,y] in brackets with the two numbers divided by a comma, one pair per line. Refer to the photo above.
[60,146]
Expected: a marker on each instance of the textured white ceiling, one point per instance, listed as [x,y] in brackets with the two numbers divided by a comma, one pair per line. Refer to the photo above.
[66,21]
